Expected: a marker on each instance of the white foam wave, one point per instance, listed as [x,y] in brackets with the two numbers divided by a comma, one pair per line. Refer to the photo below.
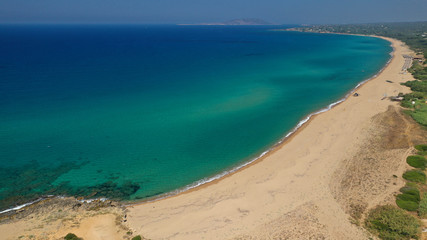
[92,200]
[21,206]
[49,196]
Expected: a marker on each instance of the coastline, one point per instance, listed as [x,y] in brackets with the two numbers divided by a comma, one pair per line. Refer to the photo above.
[205,182]
[137,209]
[234,169]
[285,193]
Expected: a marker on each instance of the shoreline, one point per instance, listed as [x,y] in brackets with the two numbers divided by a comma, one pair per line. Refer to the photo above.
[277,171]
[205,182]
[300,189]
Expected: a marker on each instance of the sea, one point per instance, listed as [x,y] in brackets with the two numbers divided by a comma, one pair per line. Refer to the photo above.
[138,112]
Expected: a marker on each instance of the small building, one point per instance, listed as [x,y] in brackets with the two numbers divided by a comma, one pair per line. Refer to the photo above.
[396,98]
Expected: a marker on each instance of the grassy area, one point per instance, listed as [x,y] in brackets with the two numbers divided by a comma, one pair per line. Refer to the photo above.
[419,72]
[421,147]
[419,114]
[392,223]
[422,209]
[417,161]
[415,102]
[417,86]
[409,199]
[412,190]
[418,96]
[415,176]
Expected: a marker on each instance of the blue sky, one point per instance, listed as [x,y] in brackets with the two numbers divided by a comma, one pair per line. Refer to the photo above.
[196,11]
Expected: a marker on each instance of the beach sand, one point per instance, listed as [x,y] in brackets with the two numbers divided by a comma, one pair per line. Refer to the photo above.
[317,184]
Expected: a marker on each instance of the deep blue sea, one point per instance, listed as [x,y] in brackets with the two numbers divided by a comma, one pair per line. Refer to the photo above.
[135,111]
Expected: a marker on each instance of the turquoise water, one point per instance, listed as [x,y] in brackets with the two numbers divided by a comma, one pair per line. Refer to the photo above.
[131,112]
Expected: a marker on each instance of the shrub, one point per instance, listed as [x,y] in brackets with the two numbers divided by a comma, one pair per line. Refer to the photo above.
[422,153]
[411,191]
[406,104]
[422,209]
[420,117]
[415,95]
[421,147]
[410,197]
[408,205]
[420,114]
[72,236]
[417,161]
[416,86]
[389,222]
[415,176]
[137,238]
[411,184]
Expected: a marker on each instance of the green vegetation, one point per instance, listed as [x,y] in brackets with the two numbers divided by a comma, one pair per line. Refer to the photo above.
[421,147]
[422,210]
[137,238]
[423,153]
[417,161]
[412,190]
[72,236]
[409,199]
[406,104]
[411,184]
[419,72]
[419,88]
[413,95]
[420,113]
[415,176]
[406,204]
[392,223]
[417,109]
[418,96]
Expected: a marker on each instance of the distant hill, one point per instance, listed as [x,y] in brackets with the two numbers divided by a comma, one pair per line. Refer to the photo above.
[247,21]
[235,22]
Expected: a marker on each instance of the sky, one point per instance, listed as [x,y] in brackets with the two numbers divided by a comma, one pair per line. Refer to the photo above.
[204,11]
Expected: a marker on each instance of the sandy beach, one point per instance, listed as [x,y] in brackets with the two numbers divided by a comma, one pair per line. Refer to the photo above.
[316,185]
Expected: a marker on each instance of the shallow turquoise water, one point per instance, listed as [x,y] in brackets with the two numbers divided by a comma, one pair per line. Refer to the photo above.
[131,112]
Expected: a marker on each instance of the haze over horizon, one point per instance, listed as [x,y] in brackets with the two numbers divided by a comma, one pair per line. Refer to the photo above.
[202,11]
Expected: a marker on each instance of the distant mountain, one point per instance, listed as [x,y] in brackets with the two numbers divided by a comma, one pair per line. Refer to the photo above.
[234,22]
[247,21]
